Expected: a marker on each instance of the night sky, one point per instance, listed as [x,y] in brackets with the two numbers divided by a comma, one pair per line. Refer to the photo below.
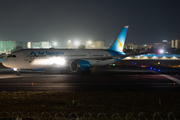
[60,20]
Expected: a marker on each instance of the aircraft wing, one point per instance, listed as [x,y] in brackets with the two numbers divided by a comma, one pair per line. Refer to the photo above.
[112,57]
[128,55]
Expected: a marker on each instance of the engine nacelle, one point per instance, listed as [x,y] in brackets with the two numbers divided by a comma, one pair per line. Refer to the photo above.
[79,66]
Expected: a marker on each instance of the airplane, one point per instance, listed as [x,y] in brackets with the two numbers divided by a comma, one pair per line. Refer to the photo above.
[75,60]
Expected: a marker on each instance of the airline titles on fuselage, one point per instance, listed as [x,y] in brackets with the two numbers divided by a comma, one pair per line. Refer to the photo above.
[42,53]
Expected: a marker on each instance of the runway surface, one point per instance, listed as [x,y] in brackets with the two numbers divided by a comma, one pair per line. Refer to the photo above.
[119,78]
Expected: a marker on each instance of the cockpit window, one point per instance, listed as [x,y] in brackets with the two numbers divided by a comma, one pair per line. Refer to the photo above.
[11,56]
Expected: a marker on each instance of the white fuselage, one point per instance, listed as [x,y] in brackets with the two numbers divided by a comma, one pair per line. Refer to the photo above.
[42,58]
[75,59]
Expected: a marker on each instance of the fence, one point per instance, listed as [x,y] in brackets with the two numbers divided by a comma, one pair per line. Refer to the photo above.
[17,115]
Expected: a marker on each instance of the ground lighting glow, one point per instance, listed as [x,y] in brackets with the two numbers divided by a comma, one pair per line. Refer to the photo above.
[52,60]
[161,51]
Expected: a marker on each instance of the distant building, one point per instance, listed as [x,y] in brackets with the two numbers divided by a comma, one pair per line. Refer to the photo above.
[45,44]
[175,43]
[166,44]
[172,43]
[158,45]
[69,45]
[22,44]
[99,44]
[131,46]
[94,45]
[8,46]
[29,45]
[54,45]
[36,45]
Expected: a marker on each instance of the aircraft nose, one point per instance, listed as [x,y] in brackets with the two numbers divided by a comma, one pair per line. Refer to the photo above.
[5,63]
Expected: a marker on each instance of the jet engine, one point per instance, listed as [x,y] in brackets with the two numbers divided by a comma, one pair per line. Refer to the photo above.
[79,66]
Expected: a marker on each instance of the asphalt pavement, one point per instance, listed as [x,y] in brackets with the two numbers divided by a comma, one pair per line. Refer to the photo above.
[108,78]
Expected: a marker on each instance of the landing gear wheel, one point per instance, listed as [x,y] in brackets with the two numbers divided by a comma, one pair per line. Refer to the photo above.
[18,73]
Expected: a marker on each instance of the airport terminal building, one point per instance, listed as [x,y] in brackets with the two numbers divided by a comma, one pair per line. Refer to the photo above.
[8,46]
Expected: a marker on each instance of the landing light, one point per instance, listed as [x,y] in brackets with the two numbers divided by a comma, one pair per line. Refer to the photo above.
[57,60]
[15,69]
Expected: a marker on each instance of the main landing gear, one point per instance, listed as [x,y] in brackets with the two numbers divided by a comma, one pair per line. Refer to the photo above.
[18,72]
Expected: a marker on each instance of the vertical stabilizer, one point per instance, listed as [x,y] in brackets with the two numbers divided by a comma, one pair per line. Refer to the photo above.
[118,44]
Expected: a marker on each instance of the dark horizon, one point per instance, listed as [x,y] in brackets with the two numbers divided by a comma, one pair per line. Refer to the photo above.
[60,20]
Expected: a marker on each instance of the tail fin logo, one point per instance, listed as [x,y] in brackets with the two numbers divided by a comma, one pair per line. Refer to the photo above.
[118,44]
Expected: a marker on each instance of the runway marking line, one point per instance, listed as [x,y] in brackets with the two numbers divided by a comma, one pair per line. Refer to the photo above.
[171,78]
[10,77]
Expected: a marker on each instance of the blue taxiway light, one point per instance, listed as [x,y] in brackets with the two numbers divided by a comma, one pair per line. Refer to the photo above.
[154,68]
[150,68]
[159,70]
[135,63]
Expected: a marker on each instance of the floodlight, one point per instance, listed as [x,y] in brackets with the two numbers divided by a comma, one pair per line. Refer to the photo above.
[77,43]
[89,42]
[55,43]
[161,51]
